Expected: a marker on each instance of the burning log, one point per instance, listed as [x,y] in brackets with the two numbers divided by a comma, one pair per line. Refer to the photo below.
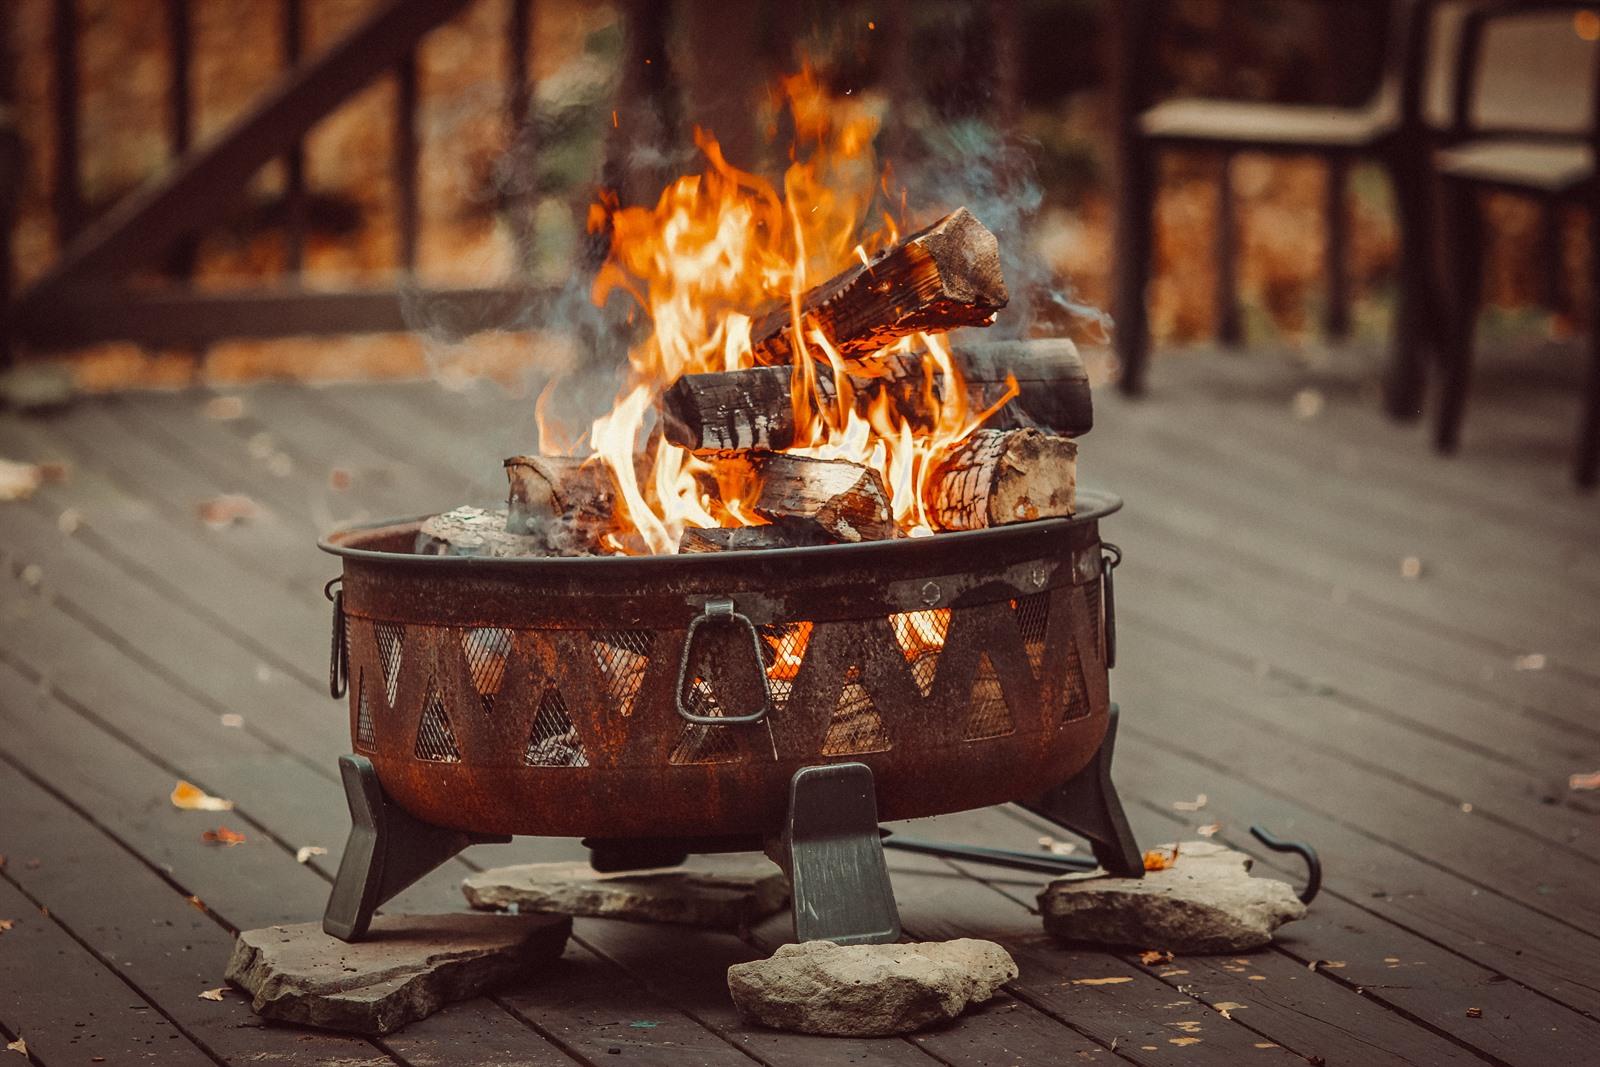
[469,531]
[754,408]
[750,538]
[548,489]
[996,477]
[832,499]
[937,279]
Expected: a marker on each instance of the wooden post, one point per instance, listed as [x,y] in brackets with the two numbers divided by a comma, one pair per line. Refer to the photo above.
[294,160]
[10,184]
[1336,316]
[519,204]
[66,190]
[180,119]
[1230,331]
[405,159]
[1135,184]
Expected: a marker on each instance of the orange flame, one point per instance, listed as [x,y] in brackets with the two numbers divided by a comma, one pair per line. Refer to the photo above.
[715,249]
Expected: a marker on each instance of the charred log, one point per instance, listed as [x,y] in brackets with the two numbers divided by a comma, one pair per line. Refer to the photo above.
[739,409]
[997,477]
[752,538]
[937,279]
[564,501]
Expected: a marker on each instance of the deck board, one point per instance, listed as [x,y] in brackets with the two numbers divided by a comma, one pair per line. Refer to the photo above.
[1273,657]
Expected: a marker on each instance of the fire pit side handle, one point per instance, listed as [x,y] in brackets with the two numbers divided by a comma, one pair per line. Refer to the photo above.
[722,610]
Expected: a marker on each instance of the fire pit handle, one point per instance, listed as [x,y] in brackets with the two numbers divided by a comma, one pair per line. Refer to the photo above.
[1301,849]
[722,609]
[339,651]
[1110,557]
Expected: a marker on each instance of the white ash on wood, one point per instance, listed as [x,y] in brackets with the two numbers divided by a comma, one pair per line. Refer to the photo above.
[751,538]
[997,477]
[576,492]
[937,279]
[469,531]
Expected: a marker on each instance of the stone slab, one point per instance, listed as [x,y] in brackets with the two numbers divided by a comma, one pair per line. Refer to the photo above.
[1206,902]
[868,990]
[408,967]
[719,892]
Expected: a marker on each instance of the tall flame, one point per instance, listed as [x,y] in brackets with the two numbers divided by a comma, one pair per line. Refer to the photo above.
[719,246]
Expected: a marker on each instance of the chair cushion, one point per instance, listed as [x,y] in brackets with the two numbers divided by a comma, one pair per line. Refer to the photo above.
[1542,166]
[1243,122]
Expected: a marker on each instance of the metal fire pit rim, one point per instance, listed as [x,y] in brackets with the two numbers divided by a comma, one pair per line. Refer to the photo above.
[1095,505]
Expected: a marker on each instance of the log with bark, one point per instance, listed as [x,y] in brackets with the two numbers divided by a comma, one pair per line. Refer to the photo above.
[469,531]
[567,502]
[997,477]
[937,279]
[755,408]
[751,538]
[830,499]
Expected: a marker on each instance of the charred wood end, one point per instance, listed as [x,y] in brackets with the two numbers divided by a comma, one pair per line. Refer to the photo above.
[730,410]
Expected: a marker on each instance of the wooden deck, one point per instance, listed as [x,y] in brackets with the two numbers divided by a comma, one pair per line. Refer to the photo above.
[1273,657]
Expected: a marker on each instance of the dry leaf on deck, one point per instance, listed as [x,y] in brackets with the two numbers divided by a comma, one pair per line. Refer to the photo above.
[1158,860]
[214,994]
[1101,981]
[1582,783]
[225,510]
[1154,956]
[1210,829]
[1190,805]
[224,408]
[1533,661]
[6,924]
[222,836]
[18,1045]
[307,851]
[190,797]
[18,481]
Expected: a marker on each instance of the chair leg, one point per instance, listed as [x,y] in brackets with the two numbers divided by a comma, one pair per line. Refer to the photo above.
[1415,319]
[1336,316]
[1230,330]
[1135,225]
[1588,466]
[1464,253]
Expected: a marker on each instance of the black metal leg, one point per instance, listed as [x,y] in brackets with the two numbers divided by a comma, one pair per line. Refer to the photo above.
[388,850]
[1415,319]
[1587,470]
[1336,317]
[1464,246]
[1230,328]
[839,880]
[1135,237]
[1088,805]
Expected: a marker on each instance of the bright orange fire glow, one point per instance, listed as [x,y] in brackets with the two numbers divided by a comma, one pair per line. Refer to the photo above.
[718,248]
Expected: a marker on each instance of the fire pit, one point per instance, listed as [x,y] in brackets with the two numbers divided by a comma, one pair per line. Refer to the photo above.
[785,698]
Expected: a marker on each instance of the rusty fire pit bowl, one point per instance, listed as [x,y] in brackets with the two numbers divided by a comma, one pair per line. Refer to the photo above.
[554,696]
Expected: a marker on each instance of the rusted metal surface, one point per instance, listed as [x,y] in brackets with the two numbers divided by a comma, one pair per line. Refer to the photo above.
[536,696]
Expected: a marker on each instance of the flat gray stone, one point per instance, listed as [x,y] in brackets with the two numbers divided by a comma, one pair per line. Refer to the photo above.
[1205,902]
[408,967]
[868,990]
[721,892]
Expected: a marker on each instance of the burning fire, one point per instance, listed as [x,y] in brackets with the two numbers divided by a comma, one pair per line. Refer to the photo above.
[717,248]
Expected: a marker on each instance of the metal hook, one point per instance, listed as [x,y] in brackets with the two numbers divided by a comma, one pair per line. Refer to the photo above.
[1304,851]
[339,653]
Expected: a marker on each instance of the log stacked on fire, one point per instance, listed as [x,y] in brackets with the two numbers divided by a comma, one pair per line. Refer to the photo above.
[1009,457]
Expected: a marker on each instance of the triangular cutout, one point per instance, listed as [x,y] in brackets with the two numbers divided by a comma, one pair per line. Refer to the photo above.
[698,743]
[1033,619]
[785,650]
[436,740]
[487,649]
[921,636]
[622,656]
[990,715]
[391,650]
[366,737]
[856,726]
[554,741]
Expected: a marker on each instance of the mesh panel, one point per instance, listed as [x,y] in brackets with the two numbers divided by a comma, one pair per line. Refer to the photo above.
[1096,623]
[921,636]
[1077,694]
[856,726]
[990,715]
[391,649]
[622,656]
[784,647]
[554,741]
[487,649]
[365,736]
[436,741]
[1033,617]
[704,744]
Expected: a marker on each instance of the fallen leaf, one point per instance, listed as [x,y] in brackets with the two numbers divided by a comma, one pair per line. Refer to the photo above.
[1157,860]
[69,521]
[1583,783]
[1101,981]
[1183,1040]
[1411,567]
[1210,829]
[1265,1044]
[1329,965]
[306,852]
[231,720]
[1188,1026]
[1257,977]
[18,1045]
[339,479]
[1190,805]
[19,481]
[1153,956]
[1533,661]
[225,408]
[6,924]
[1226,1007]
[1474,1013]
[214,994]
[222,836]
[191,797]
[1307,404]
[196,903]
[227,509]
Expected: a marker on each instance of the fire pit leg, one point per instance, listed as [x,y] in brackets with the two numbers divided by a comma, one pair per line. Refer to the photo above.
[388,850]
[1088,805]
[832,852]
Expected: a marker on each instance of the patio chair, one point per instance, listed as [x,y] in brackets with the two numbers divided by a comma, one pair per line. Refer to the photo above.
[1527,121]
[1393,127]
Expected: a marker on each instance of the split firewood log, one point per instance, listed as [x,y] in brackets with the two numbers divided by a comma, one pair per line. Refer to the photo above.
[468,531]
[830,499]
[937,279]
[751,538]
[567,502]
[754,408]
[997,477]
